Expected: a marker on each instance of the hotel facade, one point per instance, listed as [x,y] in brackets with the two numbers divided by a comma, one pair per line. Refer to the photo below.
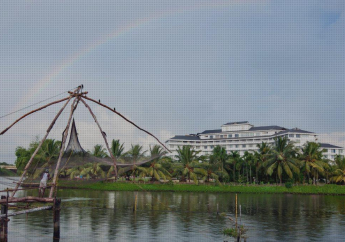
[243,136]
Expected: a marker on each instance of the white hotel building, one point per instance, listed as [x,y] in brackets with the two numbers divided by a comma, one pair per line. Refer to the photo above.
[243,136]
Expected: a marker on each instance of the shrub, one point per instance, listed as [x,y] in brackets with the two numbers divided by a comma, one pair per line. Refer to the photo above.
[288,184]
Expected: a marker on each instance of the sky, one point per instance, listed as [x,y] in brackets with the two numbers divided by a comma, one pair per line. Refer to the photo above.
[172,67]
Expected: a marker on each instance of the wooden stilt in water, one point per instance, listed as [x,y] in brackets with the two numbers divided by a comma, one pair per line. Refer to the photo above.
[104,137]
[62,149]
[56,220]
[4,222]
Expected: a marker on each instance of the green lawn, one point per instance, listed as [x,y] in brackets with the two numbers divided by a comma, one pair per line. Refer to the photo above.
[123,186]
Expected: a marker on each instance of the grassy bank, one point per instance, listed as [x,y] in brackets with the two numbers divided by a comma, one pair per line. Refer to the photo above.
[122,186]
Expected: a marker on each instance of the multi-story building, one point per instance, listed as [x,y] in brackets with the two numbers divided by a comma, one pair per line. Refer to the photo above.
[243,136]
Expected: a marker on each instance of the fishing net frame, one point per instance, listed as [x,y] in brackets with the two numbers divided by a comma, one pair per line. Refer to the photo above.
[78,96]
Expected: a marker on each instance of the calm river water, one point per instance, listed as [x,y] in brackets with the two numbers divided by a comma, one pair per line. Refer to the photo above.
[168,216]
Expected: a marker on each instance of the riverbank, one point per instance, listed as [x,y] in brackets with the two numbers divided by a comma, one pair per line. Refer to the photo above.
[261,189]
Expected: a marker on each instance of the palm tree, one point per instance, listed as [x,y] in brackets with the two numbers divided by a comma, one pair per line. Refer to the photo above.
[219,156]
[156,169]
[99,151]
[339,173]
[117,148]
[249,160]
[50,149]
[188,158]
[234,159]
[135,154]
[261,157]
[311,160]
[282,158]
[208,171]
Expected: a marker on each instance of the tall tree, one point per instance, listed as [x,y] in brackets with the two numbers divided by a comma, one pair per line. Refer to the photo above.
[261,157]
[188,158]
[117,148]
[282,158]
[135,154]
[311,160]
[99,151]
[234,159]
[338,175]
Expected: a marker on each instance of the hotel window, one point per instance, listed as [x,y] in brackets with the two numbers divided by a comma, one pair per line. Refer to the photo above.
[250,145]
[211,146]
[325,156]
[217,136]
[205,147]
[211,136]
[236,146]
[291,135]
[298,136]
[236,135]
[221,136]
[230,135]
[230,146]
[198,147]
[333,150]
[257,134]
[243,146]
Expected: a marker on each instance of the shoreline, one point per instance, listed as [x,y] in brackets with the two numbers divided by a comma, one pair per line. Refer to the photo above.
[335,190]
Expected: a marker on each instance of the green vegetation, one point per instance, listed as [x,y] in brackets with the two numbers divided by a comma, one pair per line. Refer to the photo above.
[277,163]
[5,172]
[127,186]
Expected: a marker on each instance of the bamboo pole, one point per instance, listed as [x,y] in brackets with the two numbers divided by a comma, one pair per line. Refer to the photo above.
[38,147]
[27,211]
[90,99]
[26,199]
[56,220]
[62,149]
[33,111]
[104,137]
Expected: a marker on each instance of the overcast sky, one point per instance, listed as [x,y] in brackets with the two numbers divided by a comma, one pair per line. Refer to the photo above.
[173,67]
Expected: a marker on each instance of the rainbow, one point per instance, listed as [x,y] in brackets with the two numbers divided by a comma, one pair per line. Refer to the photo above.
[42,83]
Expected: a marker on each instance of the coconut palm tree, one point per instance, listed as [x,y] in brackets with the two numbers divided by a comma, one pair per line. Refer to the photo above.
[187,158]
[311,160]
[219,156]
[282,158]
[155,169]
[134,154]
[50,149]
[234,159]
[339,174]
[117,148]
[261,156]
[249,160]
[99,151]
[209,171]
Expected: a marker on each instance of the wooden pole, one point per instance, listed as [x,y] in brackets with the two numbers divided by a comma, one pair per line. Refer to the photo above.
[104,136]
[39,146]
[4,221]
[26,199]
[27,211]
[90,99]
[56,220]
[62,149]
[33,111]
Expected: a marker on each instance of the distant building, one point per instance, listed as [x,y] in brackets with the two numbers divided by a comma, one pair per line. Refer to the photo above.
[243,136]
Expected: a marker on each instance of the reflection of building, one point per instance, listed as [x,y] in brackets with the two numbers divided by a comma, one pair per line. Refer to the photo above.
[242,136]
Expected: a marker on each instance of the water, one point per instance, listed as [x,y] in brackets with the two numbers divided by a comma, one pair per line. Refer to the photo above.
[166,216]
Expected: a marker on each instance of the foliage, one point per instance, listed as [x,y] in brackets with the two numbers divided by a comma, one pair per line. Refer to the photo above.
[288,184]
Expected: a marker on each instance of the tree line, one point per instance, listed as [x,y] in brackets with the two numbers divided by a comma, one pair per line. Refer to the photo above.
[279,162]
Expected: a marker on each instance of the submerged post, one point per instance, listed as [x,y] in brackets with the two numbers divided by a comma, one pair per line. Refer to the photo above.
[56,219]
[4,222]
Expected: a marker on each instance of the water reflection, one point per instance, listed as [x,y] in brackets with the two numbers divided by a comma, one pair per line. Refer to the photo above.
[108,216]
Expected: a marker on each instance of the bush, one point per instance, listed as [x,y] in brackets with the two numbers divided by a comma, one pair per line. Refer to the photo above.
[170,183]
[288,184]
[261,183]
